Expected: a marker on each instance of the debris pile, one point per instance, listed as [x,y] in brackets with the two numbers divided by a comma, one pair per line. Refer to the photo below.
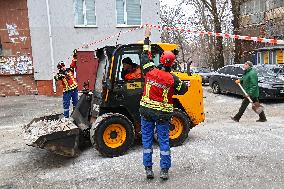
[43,127]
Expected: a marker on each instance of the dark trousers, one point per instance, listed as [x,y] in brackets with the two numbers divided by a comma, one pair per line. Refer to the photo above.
[244,106]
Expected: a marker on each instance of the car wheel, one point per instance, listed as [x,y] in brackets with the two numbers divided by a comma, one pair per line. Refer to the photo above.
[216,88]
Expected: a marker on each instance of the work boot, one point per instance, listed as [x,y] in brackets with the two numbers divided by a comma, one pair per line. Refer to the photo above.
[262,117]
[234,119]
[149,173]
[164,174]
[261,120]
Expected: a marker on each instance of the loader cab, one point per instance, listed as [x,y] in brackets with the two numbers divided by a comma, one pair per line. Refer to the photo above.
[114,92]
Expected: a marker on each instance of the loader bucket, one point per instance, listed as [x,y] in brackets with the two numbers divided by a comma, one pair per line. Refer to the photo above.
[54,133]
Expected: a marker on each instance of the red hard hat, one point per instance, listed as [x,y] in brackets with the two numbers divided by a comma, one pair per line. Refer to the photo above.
[60,65]
[167,58]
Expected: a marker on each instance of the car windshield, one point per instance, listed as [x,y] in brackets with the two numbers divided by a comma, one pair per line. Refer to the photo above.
[269,71]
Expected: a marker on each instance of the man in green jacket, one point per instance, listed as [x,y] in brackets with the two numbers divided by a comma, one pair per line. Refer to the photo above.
[249,81]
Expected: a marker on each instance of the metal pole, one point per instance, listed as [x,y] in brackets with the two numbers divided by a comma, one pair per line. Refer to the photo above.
[50,43]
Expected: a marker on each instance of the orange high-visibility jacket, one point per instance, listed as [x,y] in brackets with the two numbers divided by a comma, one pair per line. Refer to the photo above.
[67,77]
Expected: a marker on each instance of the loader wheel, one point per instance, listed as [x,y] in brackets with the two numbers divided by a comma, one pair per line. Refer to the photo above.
[113,135]
[216,88]
[179,128]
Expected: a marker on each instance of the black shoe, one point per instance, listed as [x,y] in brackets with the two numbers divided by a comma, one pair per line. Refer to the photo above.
[164,174]
[149,173]
[234,119]
[261,120]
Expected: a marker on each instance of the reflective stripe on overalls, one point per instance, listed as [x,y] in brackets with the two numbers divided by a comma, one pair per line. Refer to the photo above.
[148,103]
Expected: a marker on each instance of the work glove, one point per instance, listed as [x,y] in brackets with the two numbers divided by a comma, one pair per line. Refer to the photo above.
[237,81]
[148,32]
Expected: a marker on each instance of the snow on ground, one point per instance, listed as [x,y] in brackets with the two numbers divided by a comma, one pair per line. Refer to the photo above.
[219,153]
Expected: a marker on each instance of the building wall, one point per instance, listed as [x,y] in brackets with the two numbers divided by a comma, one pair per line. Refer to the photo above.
[15,47]
[261,18]
[66,37]
[16,62]
[264,18]
[270,56]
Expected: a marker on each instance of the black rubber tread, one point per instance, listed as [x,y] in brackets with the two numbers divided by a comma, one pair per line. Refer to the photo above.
[99,130]
[186,128]
[219,90]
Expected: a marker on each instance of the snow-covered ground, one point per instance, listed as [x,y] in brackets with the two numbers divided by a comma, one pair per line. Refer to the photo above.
[219,153]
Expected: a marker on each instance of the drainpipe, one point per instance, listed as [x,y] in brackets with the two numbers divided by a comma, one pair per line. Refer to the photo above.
[50,43]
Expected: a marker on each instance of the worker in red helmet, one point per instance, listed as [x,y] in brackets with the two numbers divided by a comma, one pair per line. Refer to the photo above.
[70,86]
[156,106]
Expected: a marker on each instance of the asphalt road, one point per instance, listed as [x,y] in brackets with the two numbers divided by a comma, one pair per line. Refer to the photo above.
[219,153]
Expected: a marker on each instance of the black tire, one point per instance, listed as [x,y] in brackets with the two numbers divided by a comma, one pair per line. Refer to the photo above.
[216,88]
[179,128]
[118,125]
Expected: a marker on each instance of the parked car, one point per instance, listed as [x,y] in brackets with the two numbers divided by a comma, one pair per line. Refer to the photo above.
[271,80]
[205,73]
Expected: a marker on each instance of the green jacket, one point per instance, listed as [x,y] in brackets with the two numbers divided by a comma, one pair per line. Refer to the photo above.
[249,81]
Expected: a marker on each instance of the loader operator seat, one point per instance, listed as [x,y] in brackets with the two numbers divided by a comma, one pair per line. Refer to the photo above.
[130,70]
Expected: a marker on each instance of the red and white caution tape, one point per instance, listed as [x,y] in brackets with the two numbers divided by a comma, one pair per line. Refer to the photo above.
[105,39]
[201,33]
[224,35]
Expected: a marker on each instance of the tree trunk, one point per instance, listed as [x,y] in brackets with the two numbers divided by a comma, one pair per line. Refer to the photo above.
[236,25]
[219,59]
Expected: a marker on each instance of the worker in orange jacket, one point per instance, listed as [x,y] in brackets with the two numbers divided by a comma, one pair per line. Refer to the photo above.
[70,86]
[130,70]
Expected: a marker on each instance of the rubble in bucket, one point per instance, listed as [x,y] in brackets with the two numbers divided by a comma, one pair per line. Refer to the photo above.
[46,126]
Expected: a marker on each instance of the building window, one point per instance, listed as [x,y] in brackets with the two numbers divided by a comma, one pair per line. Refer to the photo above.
[85,14]
[128,12]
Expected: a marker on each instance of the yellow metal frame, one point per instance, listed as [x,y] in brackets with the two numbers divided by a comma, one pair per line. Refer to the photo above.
[168,46]
[192,101]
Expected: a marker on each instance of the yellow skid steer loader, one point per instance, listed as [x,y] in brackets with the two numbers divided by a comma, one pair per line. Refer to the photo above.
[108,116]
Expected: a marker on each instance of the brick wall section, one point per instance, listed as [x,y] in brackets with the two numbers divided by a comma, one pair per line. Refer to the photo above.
[14,24]
[45,87]
[16,49]
[17,85]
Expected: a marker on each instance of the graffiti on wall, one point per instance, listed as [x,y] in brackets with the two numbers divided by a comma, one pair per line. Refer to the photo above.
[13,33]
[16,65]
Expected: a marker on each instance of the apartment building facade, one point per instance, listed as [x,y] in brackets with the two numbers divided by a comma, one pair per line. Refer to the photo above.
[54,28]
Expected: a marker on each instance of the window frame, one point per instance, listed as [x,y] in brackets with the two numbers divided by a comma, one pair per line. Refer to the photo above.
[125,16]
[85,25]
